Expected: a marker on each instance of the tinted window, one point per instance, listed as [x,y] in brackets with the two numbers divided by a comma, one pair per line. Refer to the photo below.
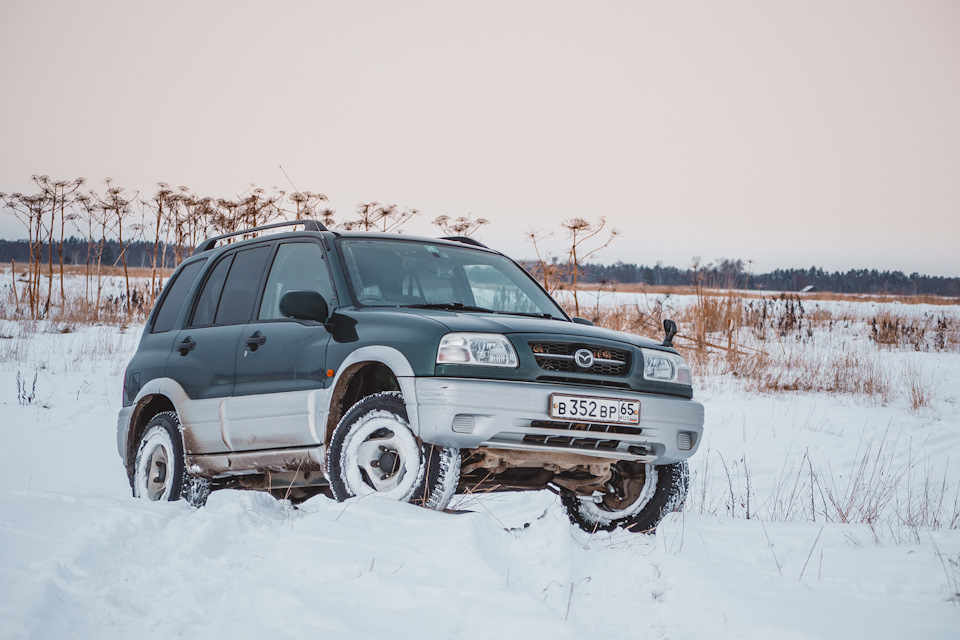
[242,285]
[206,309]
[299,266]
[173,296]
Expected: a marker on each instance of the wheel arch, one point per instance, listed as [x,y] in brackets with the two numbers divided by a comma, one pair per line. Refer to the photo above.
[366,371]
[157,396]
[357,381]
[146,408]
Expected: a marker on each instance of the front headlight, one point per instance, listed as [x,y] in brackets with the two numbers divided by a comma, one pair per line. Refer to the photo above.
[487,349]
[661,366]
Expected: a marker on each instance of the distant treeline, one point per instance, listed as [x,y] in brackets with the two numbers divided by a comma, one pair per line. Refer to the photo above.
[77,251]
[726,273]
[732,275]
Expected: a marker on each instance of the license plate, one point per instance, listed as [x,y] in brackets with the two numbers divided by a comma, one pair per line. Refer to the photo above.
[591,409]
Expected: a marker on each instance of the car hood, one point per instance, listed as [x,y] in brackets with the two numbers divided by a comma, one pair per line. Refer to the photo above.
[503,323]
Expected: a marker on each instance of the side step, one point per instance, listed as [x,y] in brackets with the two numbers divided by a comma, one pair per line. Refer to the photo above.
[302,459]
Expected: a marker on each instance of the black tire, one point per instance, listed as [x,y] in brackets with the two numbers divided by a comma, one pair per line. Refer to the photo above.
[375,435]
[159,471]
[648,493]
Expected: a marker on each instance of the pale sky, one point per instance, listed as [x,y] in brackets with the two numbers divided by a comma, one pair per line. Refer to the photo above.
[788,133]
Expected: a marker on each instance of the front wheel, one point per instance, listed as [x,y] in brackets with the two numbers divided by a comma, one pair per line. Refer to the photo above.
[373,451]
[159,471]
[640,495]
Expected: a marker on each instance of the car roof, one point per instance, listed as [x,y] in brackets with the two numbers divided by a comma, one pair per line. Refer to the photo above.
[209,246]
[458,241]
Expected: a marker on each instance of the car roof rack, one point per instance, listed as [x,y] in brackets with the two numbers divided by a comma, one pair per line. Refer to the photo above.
[308,225]
[466,240]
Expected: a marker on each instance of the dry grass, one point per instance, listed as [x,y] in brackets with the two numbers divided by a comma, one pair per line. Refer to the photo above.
[82,270]
[691,290]
[772,344]
[53,348]
[89,300]
[887,485]
[920,388]
[788,343]
[854,372]
[919,396]
[926,332]
[881,298]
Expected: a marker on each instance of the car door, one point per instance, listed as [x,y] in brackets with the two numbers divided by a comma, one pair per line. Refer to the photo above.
[280,397]
[149,362]
[204,355]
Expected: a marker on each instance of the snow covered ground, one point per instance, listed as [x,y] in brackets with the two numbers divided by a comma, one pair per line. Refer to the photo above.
[80,558]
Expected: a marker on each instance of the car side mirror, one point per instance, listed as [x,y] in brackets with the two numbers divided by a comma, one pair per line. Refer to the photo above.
[670,329]
[304,305]
[582,321]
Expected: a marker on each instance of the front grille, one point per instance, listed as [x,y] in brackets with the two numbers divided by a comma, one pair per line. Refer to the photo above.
[559,356]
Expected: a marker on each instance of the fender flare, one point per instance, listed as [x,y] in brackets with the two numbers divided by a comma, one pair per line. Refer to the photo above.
[167,388]
[398,364]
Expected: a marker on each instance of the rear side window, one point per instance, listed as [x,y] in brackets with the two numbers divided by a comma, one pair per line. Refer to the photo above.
[206,309]
[231,289]
[228,295]
[242,285]
[174,294]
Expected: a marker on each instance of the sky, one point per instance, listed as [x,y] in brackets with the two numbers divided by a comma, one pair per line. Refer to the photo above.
[789,134]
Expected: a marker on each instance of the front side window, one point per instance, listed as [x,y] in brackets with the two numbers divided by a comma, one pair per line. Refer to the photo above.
[402,273]
[298,266]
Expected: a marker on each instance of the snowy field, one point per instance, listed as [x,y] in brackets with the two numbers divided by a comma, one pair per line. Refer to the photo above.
[80,558]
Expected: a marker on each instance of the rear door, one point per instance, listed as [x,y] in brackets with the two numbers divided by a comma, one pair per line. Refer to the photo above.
[204,355]
[281,389]
[150,360]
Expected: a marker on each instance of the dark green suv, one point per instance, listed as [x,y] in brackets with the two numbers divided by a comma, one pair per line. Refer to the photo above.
[350,364]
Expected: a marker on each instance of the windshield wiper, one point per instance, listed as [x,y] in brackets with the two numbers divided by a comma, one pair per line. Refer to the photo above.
[450,306]
[459,306]
[529,314]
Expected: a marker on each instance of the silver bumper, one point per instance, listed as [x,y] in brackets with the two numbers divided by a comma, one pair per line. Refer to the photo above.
[123,428]
[467,413]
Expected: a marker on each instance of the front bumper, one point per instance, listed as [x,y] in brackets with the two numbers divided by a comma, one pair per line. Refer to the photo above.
[471,413]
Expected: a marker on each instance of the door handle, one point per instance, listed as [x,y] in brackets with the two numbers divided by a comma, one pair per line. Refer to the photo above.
[255,341]
[186,346]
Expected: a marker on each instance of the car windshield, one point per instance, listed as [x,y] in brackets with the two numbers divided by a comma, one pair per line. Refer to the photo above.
[402,273]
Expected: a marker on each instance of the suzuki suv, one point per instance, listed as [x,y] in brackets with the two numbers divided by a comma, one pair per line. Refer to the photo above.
[316,361]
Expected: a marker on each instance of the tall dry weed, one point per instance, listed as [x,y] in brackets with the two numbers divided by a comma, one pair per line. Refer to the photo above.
[108,304]
[888,484]
[787,343]
[929,331]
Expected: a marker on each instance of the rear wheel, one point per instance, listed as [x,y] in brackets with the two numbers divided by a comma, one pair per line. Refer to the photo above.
[640,495]
[159,471]
[373,451]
